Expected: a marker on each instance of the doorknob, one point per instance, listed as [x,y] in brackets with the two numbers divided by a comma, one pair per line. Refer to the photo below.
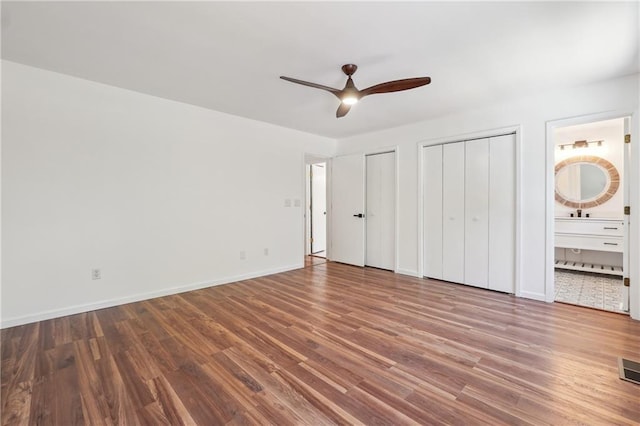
[360,215]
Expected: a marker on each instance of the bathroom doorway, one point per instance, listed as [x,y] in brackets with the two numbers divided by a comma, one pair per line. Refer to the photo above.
[591,229]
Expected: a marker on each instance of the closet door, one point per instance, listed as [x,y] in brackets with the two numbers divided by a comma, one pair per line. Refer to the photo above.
[432,220]
[453,212]
[502,213]
[380,216]
[476,208]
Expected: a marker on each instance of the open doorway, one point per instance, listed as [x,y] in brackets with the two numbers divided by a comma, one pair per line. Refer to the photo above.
[316,214]
[591,230]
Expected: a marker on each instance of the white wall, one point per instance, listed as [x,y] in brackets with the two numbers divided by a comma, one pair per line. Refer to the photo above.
[611,132]
[531,113]
[162,196]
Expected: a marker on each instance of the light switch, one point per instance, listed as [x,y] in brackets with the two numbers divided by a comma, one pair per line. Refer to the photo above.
[287,202]
[296,202]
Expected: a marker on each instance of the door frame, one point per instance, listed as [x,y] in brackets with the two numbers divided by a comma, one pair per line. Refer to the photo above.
[307,160]
[517,129]
[311,207]
[634,232]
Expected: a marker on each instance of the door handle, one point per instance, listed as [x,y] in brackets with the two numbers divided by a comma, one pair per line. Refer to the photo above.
[360,215]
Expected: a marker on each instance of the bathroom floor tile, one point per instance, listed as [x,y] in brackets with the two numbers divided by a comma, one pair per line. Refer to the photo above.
[592,290]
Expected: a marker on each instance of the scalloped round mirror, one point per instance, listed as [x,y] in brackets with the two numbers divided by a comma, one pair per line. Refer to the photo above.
[586,181]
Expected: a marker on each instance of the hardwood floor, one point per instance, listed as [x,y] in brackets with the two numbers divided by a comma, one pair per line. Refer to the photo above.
[311,260]
[323,345]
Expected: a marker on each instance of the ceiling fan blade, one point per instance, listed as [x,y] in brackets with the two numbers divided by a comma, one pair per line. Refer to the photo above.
[343,109]
[314,85]
[396,86]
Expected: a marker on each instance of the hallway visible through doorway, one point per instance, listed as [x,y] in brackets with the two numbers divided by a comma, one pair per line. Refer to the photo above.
[316,214]
[313,260]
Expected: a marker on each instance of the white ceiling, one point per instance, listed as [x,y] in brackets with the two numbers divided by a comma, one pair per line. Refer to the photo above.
[227,56]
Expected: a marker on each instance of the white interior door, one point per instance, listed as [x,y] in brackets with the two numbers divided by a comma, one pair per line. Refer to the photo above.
[502,213]
[476,205]
[307,214]
[432,220]
[347,209]
[380,212]
[625,188]
[318,208]
[453,212]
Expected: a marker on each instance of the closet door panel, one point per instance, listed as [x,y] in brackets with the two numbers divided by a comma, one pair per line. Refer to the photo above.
[380,212]
[432,220]
[476,234]
[453,212]
[502,213]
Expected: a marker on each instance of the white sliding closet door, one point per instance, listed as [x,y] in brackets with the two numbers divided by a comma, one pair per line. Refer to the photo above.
[432,196]
[502,213]
[380,214]
[469,221]
[476,207]
[453,212]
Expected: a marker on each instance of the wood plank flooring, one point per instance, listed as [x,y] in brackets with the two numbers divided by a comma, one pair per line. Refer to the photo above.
[328,344]
[311,260]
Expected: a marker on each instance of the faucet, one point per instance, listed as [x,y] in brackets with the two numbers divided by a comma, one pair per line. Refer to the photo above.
[579,212]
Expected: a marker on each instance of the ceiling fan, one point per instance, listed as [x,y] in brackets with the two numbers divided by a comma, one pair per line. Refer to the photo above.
[351,95]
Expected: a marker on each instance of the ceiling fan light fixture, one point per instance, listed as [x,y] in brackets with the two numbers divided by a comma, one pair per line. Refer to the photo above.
[350,95]
[349,100]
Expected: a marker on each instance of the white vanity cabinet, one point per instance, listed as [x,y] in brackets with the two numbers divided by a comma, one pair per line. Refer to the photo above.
[605,235]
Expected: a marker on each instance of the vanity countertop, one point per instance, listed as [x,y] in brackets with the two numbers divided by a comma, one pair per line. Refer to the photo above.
[589,219]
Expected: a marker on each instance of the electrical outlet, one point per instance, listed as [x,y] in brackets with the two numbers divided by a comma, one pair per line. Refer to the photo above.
[243,255]
[96,274]
[266,252]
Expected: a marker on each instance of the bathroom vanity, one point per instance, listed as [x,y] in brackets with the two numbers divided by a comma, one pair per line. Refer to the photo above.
[599,234]
[591,244]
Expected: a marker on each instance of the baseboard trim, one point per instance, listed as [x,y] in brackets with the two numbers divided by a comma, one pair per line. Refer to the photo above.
[408,272]
[532,295]
[78,309]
